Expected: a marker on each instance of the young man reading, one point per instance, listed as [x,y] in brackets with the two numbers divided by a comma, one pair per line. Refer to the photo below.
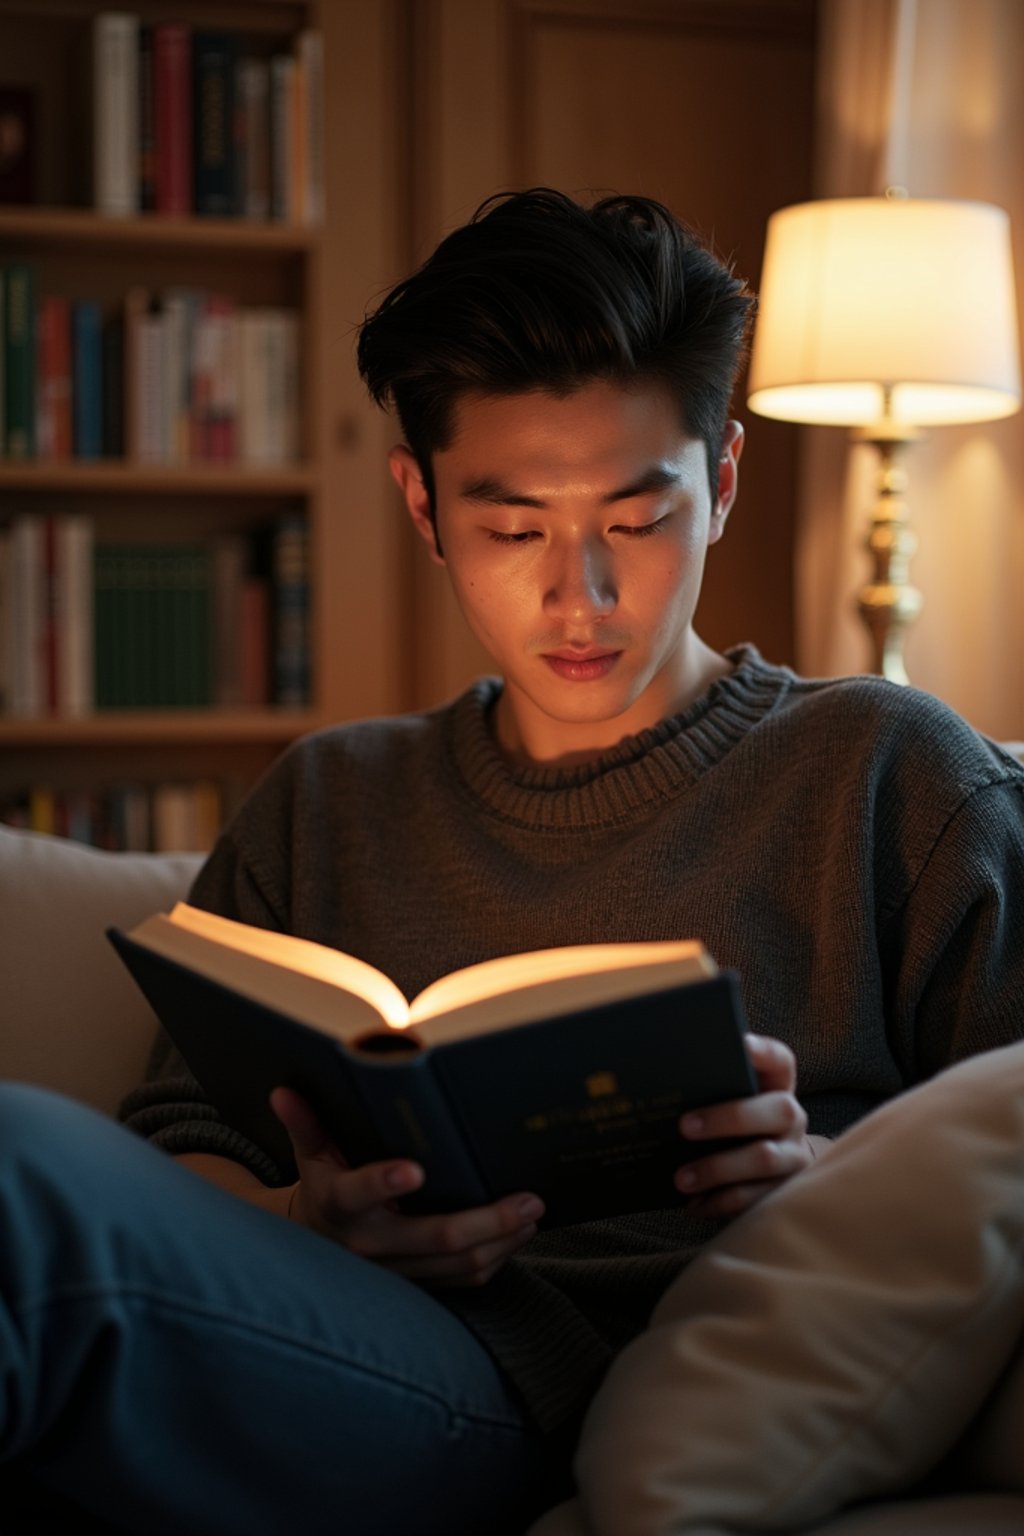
[177,1360]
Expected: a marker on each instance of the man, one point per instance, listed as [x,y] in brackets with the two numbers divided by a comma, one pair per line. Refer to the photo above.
[561,376]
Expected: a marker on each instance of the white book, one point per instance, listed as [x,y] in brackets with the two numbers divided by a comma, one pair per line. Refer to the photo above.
[176,350]
[74,613]
[115,107]
[270,386]
[150,382]
[310,49]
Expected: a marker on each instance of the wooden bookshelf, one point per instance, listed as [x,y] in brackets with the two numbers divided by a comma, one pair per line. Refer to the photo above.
[57,227]
[119,477]
[146,727]
[78,252]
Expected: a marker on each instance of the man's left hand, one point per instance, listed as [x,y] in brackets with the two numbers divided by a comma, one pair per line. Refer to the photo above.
[728,1182]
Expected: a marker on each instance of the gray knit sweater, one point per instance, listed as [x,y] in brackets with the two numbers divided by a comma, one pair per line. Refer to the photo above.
[853,849]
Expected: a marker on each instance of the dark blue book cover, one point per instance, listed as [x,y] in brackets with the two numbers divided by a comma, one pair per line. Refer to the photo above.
[582,1107]
[214,64]
[87,379]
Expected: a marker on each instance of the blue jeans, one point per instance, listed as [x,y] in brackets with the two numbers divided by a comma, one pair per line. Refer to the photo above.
[172,1359]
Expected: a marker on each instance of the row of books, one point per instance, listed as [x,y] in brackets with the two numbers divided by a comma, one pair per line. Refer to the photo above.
[166,817]
[195,121]
[171,377]
[88,626]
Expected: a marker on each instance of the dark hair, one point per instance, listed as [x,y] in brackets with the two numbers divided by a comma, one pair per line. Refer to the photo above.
[538,291]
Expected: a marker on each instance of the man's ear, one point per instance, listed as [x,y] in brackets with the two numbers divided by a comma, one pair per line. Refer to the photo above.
[728,478]
[409,479]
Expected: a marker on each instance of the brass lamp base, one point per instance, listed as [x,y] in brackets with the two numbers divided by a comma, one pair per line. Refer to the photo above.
[888,603]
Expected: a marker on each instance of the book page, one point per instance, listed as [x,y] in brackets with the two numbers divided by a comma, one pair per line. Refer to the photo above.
[516,989]
[219,947]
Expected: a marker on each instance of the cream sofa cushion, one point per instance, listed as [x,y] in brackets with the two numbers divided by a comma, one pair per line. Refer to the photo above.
[73,1019]
[834,1344]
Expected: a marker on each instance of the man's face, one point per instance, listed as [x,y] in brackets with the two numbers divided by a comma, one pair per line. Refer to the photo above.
[574,530]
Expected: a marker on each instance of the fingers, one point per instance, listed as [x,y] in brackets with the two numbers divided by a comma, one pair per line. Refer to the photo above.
[309,1139]
[771,1126]
[773,1063]
[357,1208]
[452,1240]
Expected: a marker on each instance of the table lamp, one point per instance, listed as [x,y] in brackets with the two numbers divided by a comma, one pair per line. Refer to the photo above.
[887,315]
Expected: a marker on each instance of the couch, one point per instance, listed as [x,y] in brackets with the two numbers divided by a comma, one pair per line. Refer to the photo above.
[810,1372]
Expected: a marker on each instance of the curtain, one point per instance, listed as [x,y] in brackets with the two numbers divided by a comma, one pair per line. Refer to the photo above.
[927,96]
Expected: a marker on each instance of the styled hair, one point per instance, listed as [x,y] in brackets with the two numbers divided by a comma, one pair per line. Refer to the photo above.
[539,292]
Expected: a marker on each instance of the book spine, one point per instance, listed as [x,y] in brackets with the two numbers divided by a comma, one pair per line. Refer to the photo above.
[48,615]
[136,304]
[87,392]
[74,610]
[147,122]
[253,167]
[254,660]
[291,612]
[28,577]
[311,64]
[112,439]
[20,361]
[6,621]
[412,1117]
[172,94]
[213,96]
[282,116]
[53,363]
[177,403]
[115,94]
[103,626]
[3,363]
[149,375]
[230,558]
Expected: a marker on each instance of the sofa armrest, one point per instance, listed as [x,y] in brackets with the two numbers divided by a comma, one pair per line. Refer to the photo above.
[73,1018]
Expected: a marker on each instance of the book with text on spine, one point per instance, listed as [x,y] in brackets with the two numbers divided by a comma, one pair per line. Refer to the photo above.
[563,1071]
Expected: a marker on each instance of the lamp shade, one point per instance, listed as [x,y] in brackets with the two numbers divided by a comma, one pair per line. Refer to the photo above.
[879,308]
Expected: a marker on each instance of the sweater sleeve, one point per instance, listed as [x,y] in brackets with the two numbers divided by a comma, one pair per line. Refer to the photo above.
[169,1107]
[957,945]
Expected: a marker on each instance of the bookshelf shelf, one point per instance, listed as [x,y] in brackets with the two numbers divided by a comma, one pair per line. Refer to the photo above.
[155,727]
[113,477]
[60,227]
[172,351]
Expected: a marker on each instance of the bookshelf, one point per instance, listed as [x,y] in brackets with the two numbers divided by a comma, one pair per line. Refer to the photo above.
[271,264]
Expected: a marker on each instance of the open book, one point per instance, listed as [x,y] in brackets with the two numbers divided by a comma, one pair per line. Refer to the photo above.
[562,1071]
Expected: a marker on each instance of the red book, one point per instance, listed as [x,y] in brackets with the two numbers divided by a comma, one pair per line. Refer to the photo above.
[172,101]
[53,362]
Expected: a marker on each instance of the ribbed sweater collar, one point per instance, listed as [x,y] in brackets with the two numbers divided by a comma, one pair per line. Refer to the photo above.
[623,783]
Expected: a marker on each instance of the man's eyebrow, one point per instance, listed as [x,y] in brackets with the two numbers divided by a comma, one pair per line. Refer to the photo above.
[495,493]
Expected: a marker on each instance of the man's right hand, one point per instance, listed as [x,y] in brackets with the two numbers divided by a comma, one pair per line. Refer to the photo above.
[356,1208]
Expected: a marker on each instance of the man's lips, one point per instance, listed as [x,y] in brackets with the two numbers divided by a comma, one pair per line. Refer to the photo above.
[581,665]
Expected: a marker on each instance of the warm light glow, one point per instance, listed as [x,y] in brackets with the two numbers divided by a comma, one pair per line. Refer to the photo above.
[861,297]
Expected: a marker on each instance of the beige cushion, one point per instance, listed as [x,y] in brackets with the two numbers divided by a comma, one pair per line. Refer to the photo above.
[835,1343]
[973,1515]
[72,1018]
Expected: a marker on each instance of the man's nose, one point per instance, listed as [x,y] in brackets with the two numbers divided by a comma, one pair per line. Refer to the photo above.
[582,583]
